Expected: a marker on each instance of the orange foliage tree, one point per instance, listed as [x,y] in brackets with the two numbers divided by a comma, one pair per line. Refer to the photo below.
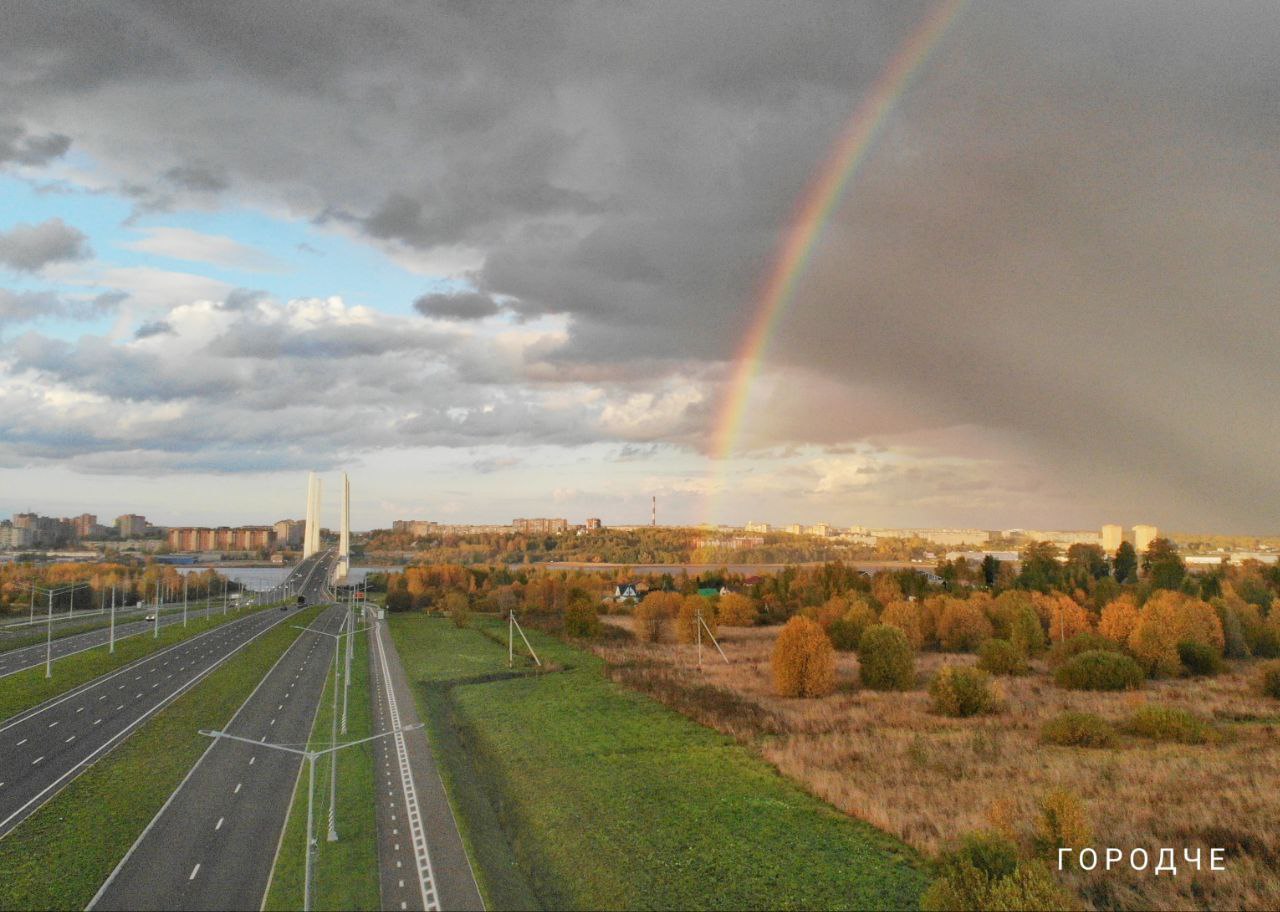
[804,661]
[687,618]
[1062,615]
[1119,617]
[962,626]
[736,610]
[909,617]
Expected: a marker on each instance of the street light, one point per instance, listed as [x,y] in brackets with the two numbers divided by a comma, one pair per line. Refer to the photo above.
[310,757]
[48,643]
[333,773]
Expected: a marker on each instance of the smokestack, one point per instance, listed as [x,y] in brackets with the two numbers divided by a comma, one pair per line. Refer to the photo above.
[653,516]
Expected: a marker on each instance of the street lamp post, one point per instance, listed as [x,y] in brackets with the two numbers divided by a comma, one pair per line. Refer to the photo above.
[111,643]
[310,756]
[185,579]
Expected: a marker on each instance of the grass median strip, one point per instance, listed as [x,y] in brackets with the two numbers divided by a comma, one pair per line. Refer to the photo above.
[58,857]
[346,872]
[25,689]
[64,626]
[609,800]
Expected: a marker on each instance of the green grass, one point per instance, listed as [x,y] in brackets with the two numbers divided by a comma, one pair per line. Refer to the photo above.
[606,799]
[84,831]
[29,688]
[346,871]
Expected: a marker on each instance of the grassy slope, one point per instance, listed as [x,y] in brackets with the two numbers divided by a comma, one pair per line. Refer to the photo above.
[30,688]
[610,800]
[88,827]
[346,874]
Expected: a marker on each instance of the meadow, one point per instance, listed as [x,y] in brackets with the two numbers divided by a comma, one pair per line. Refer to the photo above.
[604,798]
[886,758]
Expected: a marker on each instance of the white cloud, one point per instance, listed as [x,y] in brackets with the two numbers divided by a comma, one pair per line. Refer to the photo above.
[217,250]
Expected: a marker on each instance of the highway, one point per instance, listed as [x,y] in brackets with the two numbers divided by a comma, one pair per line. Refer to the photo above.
[47,746]
[16,660]
[213,844]
[422,862]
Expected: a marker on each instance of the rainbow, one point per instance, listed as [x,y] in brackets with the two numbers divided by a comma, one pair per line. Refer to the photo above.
[814,208]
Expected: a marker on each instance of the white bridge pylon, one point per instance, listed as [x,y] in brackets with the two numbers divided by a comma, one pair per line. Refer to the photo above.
[311,534]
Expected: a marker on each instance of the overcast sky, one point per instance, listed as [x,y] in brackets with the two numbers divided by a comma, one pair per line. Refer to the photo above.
[495,260]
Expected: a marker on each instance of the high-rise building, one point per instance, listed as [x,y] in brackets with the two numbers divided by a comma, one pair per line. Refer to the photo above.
[84,525]
[540,526]
[414,528]
[223,538]
[594,524]
[1143,536]
[289,533]
[1112,536]
[758,527]
[131,525]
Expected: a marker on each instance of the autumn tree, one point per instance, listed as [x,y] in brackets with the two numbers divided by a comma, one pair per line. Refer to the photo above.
[1162,565]
[648,618]
[804,661]
[1119,617]
[736,610]
[909,617]
[962,626]
[1061,615]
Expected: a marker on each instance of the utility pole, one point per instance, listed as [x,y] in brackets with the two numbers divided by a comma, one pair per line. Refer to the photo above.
[185,578]
[111,643]
[48,643]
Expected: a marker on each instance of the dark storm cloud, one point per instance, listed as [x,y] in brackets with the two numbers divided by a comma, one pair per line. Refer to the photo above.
[21,148]
[29,248]
[459,306]
[1063,236]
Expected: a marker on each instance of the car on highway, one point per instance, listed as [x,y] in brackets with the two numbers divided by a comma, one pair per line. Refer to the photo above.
[149,617]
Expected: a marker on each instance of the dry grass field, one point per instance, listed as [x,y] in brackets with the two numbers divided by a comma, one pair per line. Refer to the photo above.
[885,758]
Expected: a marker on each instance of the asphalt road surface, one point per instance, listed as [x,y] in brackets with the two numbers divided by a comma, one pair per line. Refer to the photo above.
[213,844]
[16,660]
[44,748]
[422,862]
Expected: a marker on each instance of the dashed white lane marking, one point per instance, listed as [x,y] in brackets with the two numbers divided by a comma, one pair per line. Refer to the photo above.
[52,724]
[194,871]
[251,759]
[22,742]
[69,740]
[97,721]
[218,825]
[80,710]
[37,760]
[237,789]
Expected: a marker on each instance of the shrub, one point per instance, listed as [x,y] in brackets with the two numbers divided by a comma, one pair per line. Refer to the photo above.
[458,607]
[1199,658]
[886,659]
[1078,729]
[1000,657]
[983,873]
[1025,631]
[1119,617]
[1168,723]
[687,618]
[1099,670]
[1004,608]
[582,620]
[736,610]
[844,634]
[1234,643]
[1269,679]
[1062,823]
[647,619]
[804,661]
[1167,619]
[960,691]
[962,626]
[909,617]
[1081,642]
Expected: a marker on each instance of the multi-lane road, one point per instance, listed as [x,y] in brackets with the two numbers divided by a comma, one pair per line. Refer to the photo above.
[213,844]
[47,746]
[16,660]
